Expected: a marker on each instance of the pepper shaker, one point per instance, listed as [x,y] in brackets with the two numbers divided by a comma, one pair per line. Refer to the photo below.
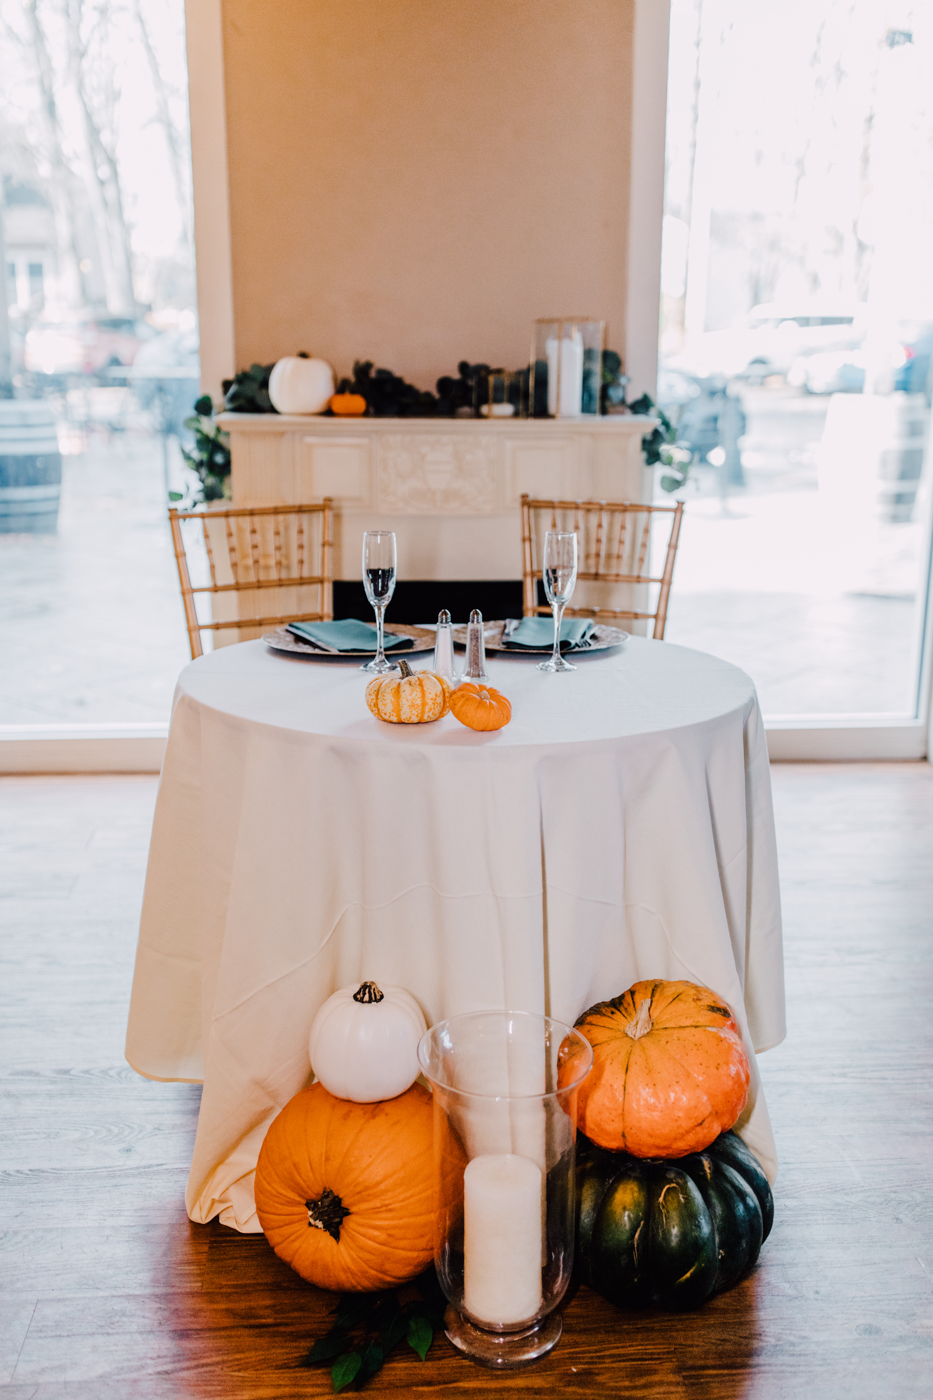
[444,647]
[475,665]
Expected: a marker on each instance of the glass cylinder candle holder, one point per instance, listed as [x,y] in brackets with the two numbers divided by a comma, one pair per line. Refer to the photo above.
[566,366]
[501,393]
[504,1145]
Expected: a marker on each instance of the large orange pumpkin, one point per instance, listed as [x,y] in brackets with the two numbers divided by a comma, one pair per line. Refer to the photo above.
[480,706]
[670,1072]
[345,1191]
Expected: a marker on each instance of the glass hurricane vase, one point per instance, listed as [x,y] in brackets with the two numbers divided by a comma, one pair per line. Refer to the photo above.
[504,1135]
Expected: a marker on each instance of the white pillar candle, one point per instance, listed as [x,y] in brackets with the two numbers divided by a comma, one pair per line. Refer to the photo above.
[502,1238]
[571,375]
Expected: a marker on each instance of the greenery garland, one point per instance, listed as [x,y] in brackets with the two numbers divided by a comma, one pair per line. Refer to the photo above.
[208,457]
[388,395]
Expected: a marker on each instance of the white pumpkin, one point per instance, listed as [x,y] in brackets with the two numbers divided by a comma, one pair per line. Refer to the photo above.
[300,385]
[364,1042]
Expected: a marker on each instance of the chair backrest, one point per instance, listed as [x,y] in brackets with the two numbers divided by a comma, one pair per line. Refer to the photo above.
[614,549]
[250,550]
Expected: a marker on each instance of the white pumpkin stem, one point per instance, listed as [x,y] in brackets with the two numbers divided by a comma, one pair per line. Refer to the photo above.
[404,668]
[641,1024]
[368,993]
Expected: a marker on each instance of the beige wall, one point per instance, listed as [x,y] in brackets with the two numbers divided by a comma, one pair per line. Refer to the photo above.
[413,181]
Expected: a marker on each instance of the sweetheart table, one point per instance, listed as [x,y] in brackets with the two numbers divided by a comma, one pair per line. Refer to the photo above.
[619,828]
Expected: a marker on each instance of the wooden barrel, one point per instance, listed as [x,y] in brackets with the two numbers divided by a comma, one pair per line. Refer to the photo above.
[30,467]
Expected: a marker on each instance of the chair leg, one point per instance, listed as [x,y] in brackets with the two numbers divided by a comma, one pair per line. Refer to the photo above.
[529,601]
[187,595]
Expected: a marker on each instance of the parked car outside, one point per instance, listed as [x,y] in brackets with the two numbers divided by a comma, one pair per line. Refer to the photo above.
[832,372]
[771,338]
[84,343]
[843,371]
[914,376]
[166,378]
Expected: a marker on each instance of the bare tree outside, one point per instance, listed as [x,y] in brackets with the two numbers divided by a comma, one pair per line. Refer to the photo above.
[98,355]
[796,340]
[73,72]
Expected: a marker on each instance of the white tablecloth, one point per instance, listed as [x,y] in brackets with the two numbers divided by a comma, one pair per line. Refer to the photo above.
[619,828]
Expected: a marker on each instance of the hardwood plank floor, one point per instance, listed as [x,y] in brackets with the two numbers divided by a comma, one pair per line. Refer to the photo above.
[107,1291]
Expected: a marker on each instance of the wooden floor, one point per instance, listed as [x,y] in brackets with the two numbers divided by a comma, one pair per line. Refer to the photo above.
[108,1292]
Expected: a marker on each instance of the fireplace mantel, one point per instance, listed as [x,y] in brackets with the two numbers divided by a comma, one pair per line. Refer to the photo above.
[449,488]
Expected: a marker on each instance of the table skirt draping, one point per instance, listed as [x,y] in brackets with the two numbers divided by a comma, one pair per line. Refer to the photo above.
[620,828]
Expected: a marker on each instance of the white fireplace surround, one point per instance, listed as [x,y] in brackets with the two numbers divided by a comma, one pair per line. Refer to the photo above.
[449,488]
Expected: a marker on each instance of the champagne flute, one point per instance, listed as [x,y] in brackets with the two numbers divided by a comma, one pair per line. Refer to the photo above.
[560,576]
[379,583]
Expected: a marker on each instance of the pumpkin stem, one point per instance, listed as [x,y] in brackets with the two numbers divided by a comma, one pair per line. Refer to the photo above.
[404,668]
[368,992]
[641,1024]
[327,1213]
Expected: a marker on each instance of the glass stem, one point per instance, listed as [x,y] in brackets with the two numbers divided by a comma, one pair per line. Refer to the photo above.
[558,616]
[380,618]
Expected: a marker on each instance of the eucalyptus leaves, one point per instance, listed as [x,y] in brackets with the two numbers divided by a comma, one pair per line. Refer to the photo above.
[368,1326]
[208,457]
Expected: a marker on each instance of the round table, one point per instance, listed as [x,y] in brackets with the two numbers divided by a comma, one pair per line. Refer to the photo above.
[619,828]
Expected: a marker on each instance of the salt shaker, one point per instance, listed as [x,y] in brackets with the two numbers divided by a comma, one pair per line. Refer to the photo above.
[474,668]
[444,647]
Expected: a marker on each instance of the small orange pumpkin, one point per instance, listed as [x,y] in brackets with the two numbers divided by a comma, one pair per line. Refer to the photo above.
[670,1072]
[345,1192]
[414,697]
[480,706]
[347,405]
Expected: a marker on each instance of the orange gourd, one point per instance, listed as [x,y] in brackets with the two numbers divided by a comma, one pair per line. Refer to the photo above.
[348,405]
[480,706]
[670,1072]
[414,697]
[345,1191]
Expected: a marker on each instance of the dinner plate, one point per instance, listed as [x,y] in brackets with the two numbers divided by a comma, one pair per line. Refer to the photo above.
[602,638]
[282,640]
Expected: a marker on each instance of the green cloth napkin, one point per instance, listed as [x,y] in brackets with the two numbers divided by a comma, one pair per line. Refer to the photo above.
[539,632]
[348,634]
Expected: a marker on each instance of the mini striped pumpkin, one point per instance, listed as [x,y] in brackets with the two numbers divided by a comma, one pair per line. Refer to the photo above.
[414,697]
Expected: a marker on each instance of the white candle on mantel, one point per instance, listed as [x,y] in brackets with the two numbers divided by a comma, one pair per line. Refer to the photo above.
[502,1238]
[570,350]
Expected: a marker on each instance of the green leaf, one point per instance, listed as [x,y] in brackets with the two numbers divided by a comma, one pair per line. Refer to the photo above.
[671,483]
[354,1308]
[326,1349]
[204,406]
[373,1358]
[433,1313]
[344,1370]
[393,1329]
[420,1335]
[176,495]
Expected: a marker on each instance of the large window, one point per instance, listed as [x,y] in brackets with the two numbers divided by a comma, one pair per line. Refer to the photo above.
[797,328]
[98,358]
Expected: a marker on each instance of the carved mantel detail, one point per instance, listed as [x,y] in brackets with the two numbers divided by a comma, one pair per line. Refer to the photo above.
[458,480]
[431,475]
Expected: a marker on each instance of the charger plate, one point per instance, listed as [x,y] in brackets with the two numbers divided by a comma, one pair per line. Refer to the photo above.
[283,640]
[602,638]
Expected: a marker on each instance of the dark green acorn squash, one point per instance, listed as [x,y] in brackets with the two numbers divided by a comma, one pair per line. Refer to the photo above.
[670,1232]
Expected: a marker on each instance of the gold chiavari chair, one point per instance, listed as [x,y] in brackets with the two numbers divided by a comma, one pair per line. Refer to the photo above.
[253,549]
[615,555]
